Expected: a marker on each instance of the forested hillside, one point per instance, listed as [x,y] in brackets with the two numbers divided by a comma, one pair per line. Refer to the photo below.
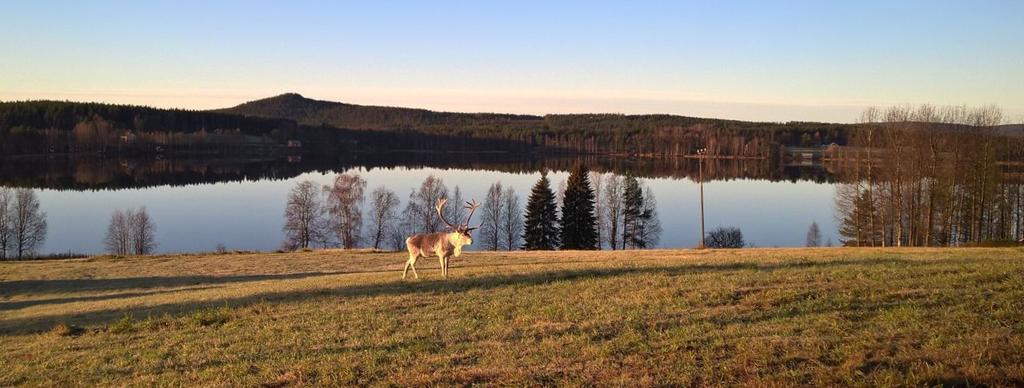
[594,133]
[340,115]
[35,127]
[59,127]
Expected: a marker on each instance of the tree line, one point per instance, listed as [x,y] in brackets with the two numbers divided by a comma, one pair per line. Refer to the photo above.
[266,126]
[60,127]
[930,176]
[333,215]
[625,214]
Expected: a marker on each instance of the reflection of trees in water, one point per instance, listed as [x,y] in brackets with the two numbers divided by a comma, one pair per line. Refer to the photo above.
[907,184]
[100,173]
[901,184]
[94,172]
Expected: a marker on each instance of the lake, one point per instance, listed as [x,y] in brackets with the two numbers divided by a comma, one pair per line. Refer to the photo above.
[199,204]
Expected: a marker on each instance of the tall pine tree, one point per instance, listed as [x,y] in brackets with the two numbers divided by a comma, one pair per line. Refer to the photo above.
[579,226]
[632,212]
[541,224]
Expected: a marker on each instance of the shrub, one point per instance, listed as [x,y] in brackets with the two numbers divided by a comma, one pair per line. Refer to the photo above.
[724,237]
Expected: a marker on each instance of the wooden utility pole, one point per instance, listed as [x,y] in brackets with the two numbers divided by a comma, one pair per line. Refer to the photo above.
[700,166]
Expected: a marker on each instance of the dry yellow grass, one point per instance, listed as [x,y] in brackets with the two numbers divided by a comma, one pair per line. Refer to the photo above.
[719,317]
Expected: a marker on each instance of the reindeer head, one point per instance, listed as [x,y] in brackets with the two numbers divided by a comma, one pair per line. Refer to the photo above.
[461,233]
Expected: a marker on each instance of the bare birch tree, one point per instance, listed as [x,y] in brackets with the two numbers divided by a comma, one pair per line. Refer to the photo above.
[491,217]
[304,224]
[28,224]
[455,213]
[6,207]
[118,234]
[613,209]
[512,216]
[345,207]
[143,237]
[431,190]
[383,214]
[130,232]
[649,228]
[406,225]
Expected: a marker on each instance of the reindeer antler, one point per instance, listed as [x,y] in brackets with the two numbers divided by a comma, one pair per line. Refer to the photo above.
[440,212]
[472,208]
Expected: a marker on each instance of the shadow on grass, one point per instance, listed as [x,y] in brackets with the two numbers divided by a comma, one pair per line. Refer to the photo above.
[455,285]
[61,286]
[68,286]
[15,305]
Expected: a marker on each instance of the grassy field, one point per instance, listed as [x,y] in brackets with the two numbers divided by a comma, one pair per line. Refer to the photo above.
[759,317]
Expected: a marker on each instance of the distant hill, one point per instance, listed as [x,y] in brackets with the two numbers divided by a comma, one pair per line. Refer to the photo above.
[594,133]
[341,115]
[307,111]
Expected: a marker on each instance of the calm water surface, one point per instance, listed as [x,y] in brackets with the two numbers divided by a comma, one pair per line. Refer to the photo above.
[248,215]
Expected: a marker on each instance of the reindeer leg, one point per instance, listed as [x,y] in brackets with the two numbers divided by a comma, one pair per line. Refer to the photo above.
[440,259]
[409,263]
[412,264]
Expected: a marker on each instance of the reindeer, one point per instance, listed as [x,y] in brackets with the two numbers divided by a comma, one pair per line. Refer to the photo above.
[442,245]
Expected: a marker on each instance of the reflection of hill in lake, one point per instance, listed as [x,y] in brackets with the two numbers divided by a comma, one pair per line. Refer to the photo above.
[91,172]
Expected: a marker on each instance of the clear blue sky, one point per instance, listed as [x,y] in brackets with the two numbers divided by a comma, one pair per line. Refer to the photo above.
[785,60]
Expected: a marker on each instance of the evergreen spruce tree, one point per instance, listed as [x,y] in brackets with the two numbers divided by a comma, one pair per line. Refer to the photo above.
[632,212]
[541,224]
[579,225]
[855,224]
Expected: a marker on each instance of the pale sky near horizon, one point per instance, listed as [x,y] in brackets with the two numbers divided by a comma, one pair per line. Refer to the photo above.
[751,60]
